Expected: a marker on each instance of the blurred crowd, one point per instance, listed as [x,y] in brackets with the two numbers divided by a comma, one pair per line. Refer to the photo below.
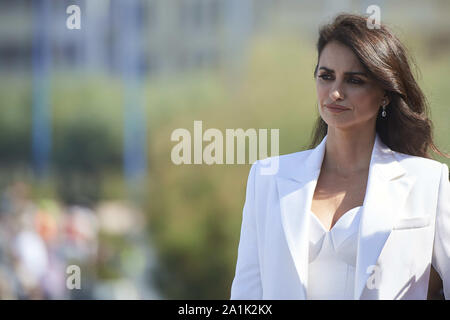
[41,240]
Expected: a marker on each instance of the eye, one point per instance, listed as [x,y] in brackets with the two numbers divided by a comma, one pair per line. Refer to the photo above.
[325,76]
[355,81]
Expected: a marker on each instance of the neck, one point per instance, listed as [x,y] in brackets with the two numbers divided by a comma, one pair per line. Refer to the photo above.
[348,152]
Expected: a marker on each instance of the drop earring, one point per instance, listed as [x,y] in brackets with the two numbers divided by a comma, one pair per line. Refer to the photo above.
[383,113]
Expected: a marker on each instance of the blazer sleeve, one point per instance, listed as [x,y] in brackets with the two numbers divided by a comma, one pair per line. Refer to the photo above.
[441,249]
[247,280]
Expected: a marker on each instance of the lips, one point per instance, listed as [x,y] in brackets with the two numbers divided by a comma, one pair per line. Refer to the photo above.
[336,106]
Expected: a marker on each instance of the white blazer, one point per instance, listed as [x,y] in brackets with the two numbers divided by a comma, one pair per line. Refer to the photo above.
[404,227]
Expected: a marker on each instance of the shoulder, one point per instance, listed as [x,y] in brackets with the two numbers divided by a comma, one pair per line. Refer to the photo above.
[420,166]
[279,165]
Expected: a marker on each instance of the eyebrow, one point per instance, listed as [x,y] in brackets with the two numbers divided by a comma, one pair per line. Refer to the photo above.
[346,73]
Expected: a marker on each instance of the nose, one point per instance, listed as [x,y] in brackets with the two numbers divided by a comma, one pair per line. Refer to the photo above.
[336,93]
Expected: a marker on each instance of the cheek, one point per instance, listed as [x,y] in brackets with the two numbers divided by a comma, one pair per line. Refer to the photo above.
[363,99]
[322,90]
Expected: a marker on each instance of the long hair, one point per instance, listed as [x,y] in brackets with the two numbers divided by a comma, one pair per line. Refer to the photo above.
[407,127]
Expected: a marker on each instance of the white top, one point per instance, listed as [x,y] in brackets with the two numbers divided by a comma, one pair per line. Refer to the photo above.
[332,257]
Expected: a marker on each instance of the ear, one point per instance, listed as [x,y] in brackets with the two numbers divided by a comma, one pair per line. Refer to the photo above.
[386,98]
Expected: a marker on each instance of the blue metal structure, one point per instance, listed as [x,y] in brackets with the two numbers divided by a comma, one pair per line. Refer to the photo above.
[41,104]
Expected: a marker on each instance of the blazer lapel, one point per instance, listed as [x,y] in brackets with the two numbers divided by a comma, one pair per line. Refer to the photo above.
[386,192]
[296,185]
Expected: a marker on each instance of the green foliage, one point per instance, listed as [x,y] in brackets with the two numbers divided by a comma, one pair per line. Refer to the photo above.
[15,122]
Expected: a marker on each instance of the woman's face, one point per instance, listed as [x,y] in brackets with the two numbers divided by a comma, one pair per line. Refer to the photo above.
[342,80]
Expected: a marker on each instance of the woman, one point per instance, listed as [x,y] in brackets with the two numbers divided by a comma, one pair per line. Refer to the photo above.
[366,213]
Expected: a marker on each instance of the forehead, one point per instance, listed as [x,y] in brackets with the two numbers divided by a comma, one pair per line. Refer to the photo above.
[339,58]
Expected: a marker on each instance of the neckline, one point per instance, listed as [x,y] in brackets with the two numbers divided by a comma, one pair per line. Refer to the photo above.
[337,222]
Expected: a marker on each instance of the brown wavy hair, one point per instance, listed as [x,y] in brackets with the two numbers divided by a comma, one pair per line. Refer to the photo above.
[407,127]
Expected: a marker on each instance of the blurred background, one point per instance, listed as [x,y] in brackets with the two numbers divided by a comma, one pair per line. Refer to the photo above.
[86,116]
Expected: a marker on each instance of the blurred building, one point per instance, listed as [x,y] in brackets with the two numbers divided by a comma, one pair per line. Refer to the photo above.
[174,35]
